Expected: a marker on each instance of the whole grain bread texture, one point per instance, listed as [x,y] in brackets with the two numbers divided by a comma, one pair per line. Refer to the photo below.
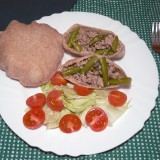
[85,35]
[30,53]
[93,78]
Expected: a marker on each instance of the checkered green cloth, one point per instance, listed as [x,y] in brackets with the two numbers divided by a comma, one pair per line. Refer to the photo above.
[145,145]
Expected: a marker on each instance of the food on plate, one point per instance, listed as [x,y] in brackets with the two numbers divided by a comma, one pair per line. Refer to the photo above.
[36,101]
[79,92]
[34,118]
[93,110]
[30,53]
[83,40]
[117,98]
[97,119]
[83,91]
[54,100]
[58,79]
[94,71]
[70,123]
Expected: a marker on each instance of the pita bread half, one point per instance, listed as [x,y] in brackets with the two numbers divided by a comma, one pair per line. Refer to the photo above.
[94,77]
[85,35]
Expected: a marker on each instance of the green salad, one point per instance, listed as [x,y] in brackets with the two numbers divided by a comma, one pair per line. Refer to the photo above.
[80,105]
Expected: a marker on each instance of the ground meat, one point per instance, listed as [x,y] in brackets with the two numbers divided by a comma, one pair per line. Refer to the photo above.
[85,35]
[93,78]
[92,34]
[83,38]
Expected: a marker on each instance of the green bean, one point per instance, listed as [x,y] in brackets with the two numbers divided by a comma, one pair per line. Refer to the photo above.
[89,64]
[125,80]
[72,36]
[101,51]
[104,68]
[104,51]
[96,39]
[110,52]
[114,44]
[76,46]
[71,71]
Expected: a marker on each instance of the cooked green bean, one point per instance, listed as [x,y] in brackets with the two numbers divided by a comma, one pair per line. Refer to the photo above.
[72,36]
[71,71]
[126,80]
[104,68]
[89,64]
[96,39]
[110,52]
[101,51]
[115,44]
[104,51]
[76,46]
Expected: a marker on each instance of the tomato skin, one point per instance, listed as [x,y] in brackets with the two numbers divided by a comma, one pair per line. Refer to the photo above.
[58,79]
[117,98]
[70,123]
[54,100]
[82,90]
[97,119]
[34,118]
[36,101]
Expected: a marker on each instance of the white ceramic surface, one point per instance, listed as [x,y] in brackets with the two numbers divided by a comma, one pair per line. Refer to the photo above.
[138,63]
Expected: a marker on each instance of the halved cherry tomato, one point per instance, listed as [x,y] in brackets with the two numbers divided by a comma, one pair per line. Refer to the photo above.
[36,101]
[34,118]
[117,98]
[54,100]
[58,79]
[83,91]
[97,119]
[70,123]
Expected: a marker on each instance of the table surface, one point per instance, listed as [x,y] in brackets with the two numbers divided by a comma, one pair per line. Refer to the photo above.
[145,145]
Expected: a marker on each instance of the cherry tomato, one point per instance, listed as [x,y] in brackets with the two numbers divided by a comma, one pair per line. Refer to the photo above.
[70,123]
[58,79]
[34,118]
[97,119]
[54,100]
[83,91]
[117,98]
[36,101]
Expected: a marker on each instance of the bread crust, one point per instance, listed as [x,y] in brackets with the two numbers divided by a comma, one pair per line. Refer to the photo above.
[77,79]
[120,50]
[30,53]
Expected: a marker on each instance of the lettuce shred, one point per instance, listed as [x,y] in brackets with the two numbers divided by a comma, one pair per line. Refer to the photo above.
[80,105]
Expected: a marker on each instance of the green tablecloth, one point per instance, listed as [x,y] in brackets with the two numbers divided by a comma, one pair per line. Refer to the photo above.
[145,145]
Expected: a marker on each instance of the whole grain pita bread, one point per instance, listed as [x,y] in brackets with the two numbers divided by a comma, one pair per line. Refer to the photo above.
[85,35]
[93,78]
[30,53]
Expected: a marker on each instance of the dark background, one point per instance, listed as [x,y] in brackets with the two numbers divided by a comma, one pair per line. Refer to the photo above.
[28,10]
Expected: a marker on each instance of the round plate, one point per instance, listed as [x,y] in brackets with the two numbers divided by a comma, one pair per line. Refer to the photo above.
[138,63]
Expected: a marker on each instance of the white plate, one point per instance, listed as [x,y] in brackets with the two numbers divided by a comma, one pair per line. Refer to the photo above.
[138,64]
